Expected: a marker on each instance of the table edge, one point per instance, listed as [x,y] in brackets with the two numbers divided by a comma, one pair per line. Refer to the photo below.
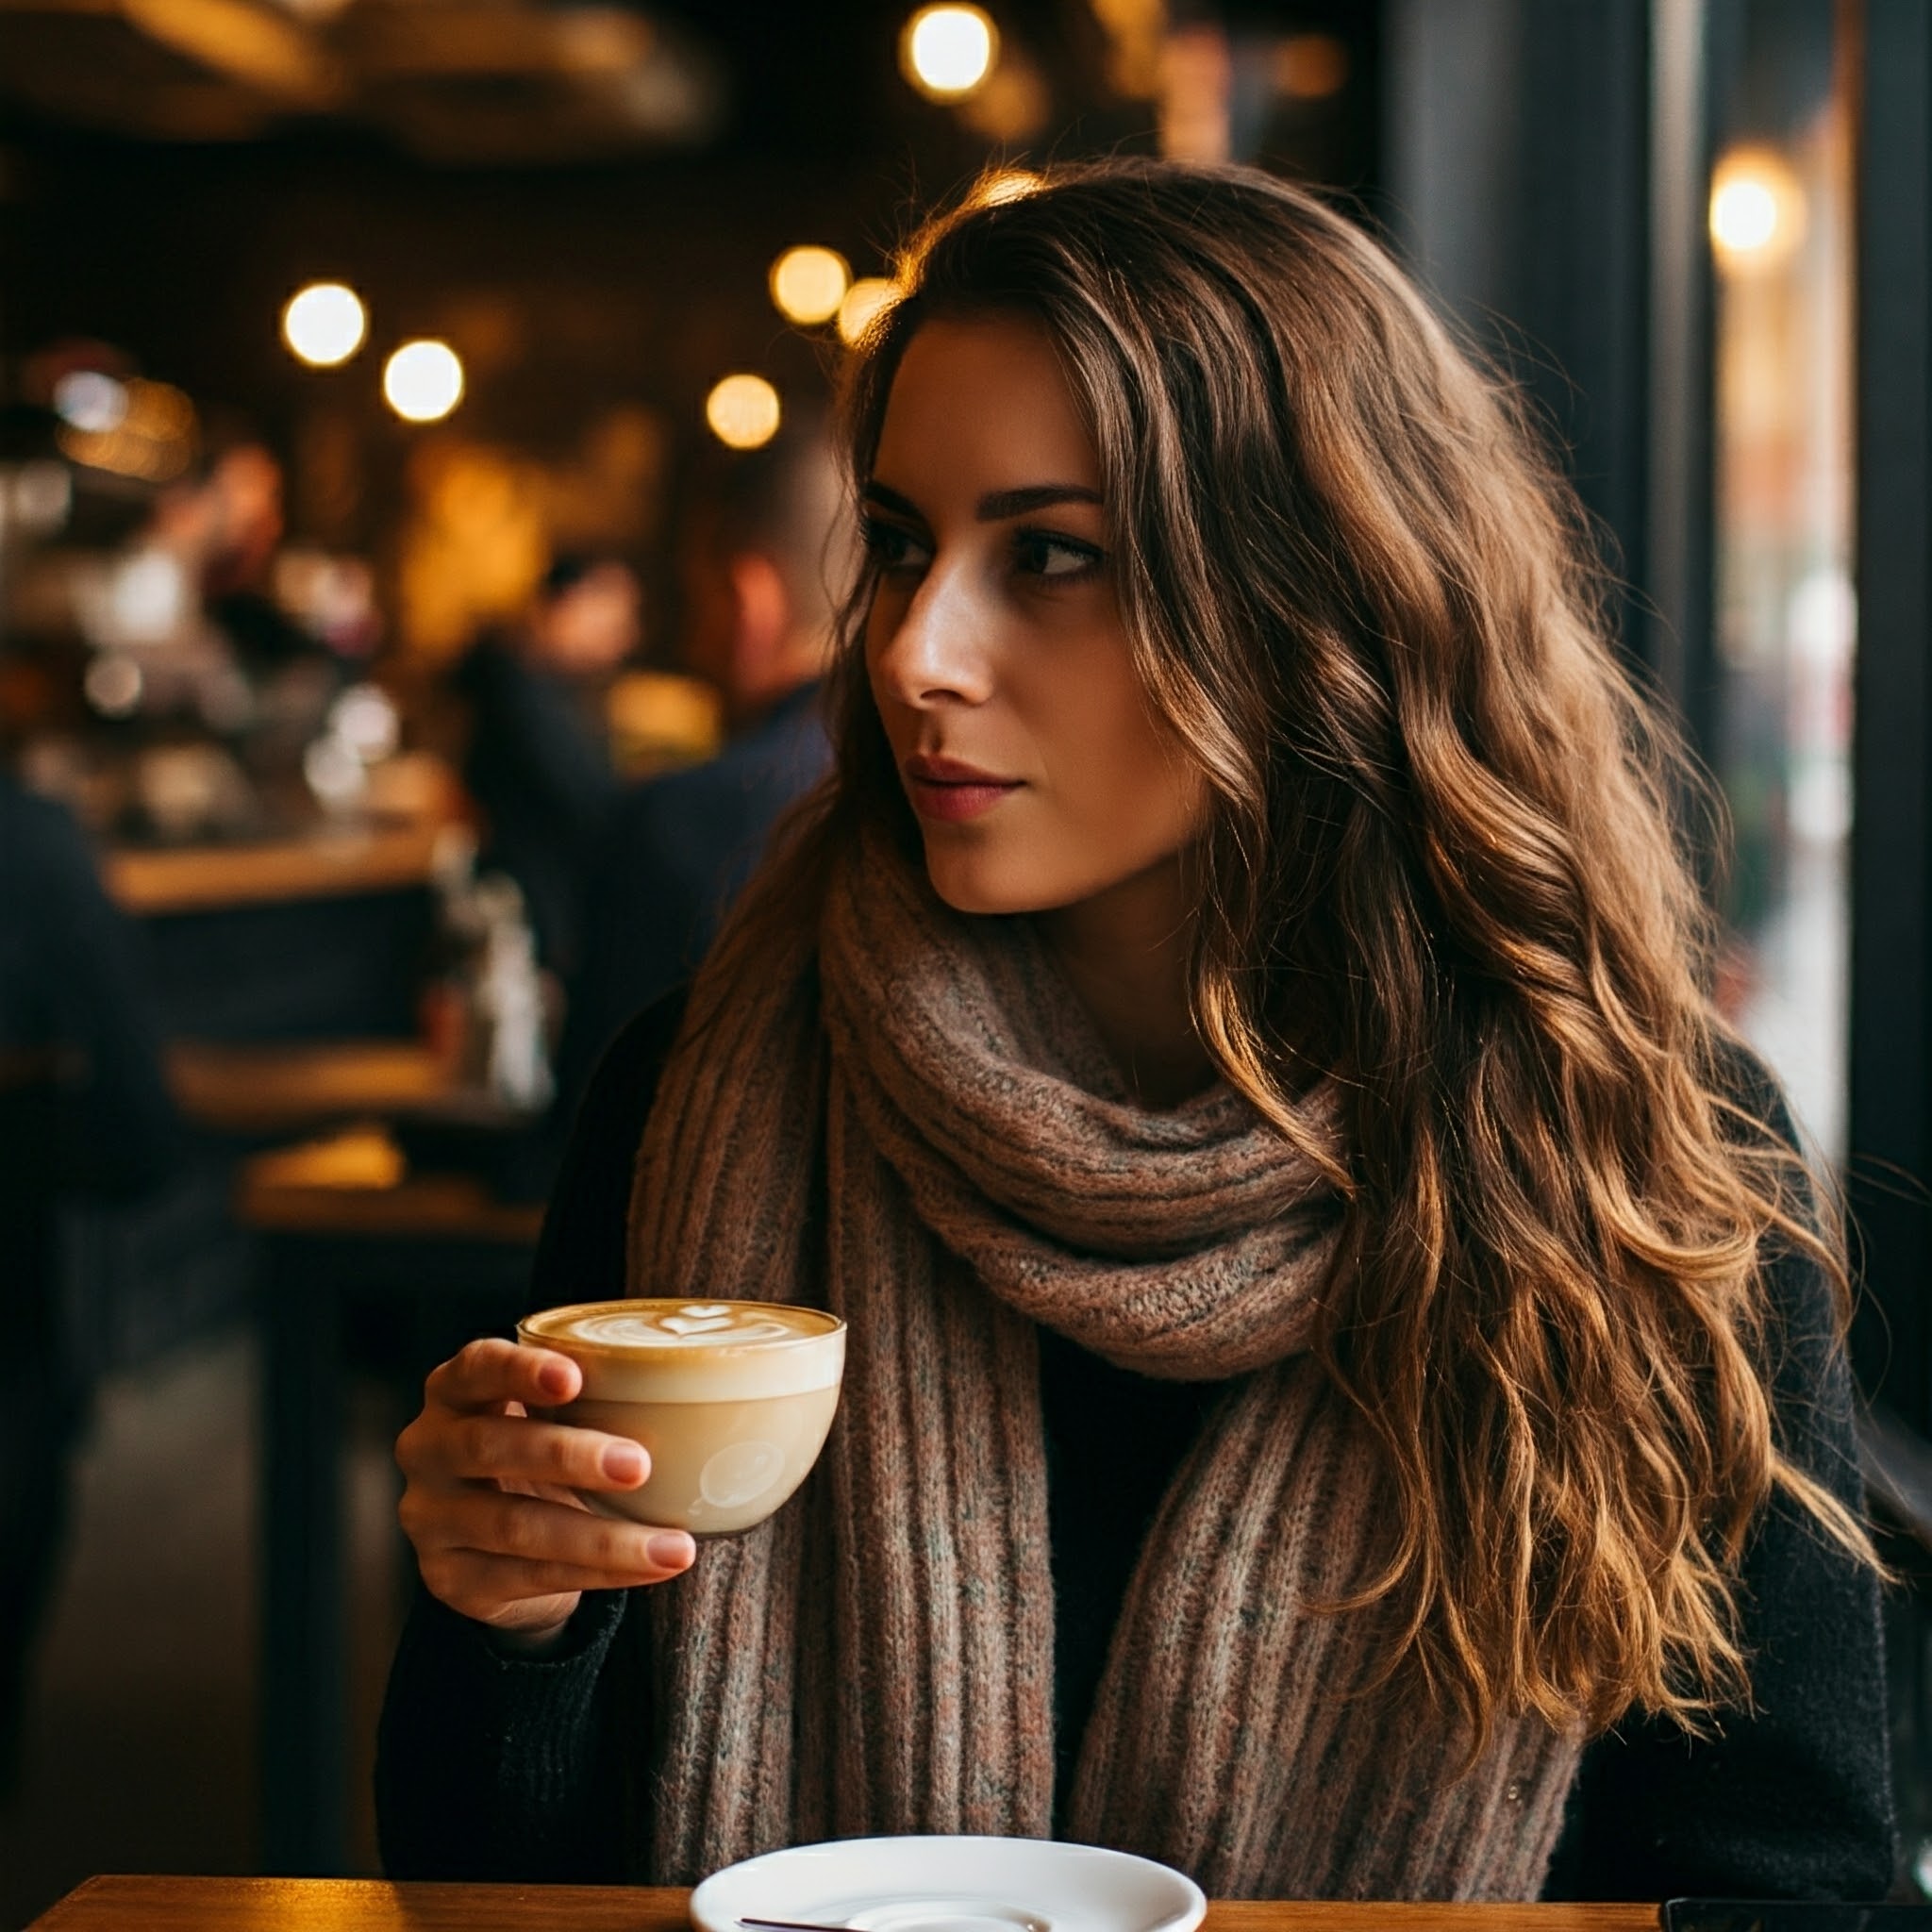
[659,1903]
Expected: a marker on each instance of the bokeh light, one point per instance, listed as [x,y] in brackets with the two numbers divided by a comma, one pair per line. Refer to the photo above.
[809,284]
[334,772]
[948,50]
[422,381]
[867,298]
[1310,67]
[41,497]
[1757,210]
[90,400]
[114,684]
[148,597]
[743,412]
[1743,216]
[365,718]
[324,324]
[148,429]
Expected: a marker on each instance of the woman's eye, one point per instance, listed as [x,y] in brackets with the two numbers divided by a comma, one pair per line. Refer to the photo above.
[1041,554]
[891,548]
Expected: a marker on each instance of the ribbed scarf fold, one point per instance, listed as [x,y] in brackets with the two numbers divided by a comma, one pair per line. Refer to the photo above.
[913,1125]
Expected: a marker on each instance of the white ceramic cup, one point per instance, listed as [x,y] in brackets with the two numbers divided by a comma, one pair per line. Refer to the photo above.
[731,1400]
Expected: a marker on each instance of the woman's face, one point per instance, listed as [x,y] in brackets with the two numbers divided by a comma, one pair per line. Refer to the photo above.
[1039,773]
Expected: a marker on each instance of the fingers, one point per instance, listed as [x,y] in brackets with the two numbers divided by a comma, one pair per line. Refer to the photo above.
[512,1592]
[442,1447]
[608,1553]
[481,1550]
[491,1371]
[473,1426]
[488,1500]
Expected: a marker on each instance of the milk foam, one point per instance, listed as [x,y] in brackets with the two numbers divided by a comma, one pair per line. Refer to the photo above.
[685,1352]
[686,1325]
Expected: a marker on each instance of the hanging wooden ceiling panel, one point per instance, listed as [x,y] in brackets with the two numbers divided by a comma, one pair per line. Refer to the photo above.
[482,81]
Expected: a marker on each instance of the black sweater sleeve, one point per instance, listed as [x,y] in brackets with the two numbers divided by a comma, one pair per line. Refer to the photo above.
[1792,1798]
[491,1767]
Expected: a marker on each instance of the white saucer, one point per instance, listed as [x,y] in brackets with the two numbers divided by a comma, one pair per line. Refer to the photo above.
[952,1885]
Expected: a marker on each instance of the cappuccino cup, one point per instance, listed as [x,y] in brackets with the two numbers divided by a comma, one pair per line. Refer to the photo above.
[732,1401]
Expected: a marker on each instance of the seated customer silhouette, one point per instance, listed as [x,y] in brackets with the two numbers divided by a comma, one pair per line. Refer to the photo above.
[766,552]
[82,1105]
[537,763]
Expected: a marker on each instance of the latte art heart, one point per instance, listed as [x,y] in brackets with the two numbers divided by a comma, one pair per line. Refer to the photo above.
[696,1321]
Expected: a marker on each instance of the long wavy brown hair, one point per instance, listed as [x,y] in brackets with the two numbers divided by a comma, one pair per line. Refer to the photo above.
[1440,871]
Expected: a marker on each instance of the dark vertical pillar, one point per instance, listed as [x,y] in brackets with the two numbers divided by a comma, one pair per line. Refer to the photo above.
[1518,137]
[1890,1072]
[1672,634]
[304,1721]
[1580,272]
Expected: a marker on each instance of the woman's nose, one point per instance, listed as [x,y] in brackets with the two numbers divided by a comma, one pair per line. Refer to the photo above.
[934,647]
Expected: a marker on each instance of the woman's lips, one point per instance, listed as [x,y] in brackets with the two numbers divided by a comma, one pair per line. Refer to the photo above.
[945,788]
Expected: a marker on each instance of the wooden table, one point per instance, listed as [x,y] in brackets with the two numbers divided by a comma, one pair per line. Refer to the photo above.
[280,1904]
[284,1087]
[324,1235]
[328,862]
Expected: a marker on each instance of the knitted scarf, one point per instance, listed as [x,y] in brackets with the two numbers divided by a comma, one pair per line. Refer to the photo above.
[914,1125]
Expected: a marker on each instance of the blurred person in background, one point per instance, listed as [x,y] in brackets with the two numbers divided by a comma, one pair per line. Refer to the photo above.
[222,526]
[768,549]
[83,1107]
[193,596]
[538,763]
[243,503]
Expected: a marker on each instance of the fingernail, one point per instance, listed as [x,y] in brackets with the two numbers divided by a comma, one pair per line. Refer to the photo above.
[672,1550]
[624,1462]
[554,1379]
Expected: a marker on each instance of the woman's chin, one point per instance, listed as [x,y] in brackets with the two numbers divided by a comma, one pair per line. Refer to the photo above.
[968,883]
[970,896]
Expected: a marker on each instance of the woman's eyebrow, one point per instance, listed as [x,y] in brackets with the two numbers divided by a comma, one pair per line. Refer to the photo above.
[890,499]
[999,505]
[996,506]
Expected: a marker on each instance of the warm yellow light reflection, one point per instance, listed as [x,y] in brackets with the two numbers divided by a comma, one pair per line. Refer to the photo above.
[948,50]
[1757,210]
[422,381]
[1743,216]
[1010,184]
[743,412]
[809,284]
[137,428]
[865,299]
[324,324]
[1310,67]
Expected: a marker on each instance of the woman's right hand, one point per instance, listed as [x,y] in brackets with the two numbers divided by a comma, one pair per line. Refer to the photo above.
[488,1496]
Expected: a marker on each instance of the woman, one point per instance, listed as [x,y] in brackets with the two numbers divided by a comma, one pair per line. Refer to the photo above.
[1346,1395]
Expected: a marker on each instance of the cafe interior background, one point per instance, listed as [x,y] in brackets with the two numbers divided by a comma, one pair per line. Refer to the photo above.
[423,295]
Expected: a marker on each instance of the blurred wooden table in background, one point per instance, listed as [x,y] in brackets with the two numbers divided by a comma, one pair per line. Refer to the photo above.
[281,1087]
[325,863]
